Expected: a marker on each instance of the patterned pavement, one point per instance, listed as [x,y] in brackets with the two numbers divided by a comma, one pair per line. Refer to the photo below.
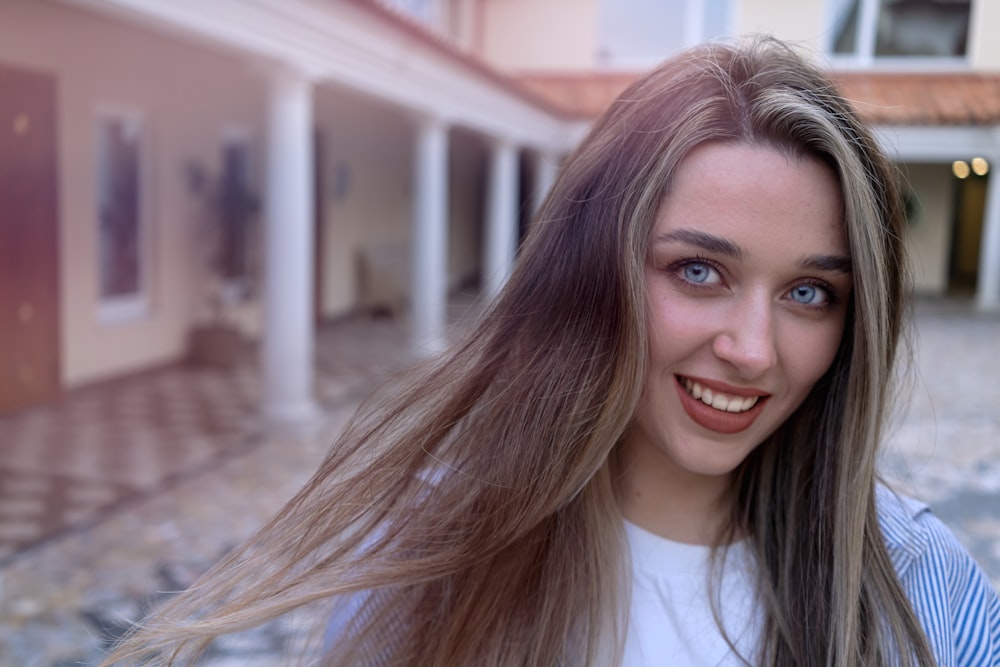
[64,465]
[945,448]
[127,491]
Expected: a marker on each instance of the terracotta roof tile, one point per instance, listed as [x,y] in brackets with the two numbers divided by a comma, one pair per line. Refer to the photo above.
[924,99]
[585,94]
[935,99]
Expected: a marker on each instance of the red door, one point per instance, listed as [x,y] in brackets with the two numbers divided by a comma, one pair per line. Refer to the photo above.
[29,251]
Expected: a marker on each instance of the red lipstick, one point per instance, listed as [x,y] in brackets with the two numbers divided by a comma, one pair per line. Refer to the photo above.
[718,420]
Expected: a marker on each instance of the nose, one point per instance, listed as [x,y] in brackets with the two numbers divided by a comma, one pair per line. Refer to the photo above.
[747,340]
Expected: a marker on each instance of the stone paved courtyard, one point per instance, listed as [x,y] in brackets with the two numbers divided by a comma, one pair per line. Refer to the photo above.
[118,528]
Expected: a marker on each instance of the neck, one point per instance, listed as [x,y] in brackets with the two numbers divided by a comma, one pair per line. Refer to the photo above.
[674,504]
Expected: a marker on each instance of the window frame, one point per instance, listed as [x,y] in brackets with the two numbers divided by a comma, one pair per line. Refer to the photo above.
[122,309]
[864,56]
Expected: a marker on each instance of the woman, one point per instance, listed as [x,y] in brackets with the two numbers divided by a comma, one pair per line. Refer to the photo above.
[689,371]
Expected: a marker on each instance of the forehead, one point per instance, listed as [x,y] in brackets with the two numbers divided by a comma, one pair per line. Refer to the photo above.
[757,196]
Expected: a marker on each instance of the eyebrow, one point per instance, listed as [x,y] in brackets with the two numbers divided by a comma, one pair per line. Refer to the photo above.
[703,240]
[722,246]
[827,263]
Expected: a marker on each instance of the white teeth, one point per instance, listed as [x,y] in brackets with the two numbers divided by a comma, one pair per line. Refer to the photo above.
[718,400]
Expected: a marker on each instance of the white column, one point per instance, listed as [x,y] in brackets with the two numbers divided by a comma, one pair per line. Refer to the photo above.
[988,282]
[287,336]
[501,221]
[546,168]
[430,237]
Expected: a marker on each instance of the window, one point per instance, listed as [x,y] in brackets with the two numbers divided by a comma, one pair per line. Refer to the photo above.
[640,33]
[227,235]
[122,262]
[867,29]
[237,209]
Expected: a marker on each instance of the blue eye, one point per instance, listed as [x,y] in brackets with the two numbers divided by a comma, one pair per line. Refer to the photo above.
[697,272]
[809,295]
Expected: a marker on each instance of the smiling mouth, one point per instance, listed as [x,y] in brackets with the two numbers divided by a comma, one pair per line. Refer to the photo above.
[716,399]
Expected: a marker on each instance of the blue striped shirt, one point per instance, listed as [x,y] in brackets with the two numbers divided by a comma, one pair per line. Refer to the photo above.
[951,595]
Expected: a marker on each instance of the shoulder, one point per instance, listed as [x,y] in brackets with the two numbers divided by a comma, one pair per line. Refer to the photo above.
[917,541]
[950,594]
[910,531]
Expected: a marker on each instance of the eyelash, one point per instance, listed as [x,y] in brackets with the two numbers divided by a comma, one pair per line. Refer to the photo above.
[676,271]
[831,296]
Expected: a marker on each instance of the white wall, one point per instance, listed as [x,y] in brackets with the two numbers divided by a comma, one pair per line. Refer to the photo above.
[801,21]
[984,47]
[185,94]
[928,238]
[540,34]
[369,194]
[369,150]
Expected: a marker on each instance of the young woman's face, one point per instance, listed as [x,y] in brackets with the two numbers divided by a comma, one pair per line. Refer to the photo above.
[747,281]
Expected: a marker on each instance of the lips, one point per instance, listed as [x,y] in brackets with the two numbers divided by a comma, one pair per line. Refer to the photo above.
[728,415]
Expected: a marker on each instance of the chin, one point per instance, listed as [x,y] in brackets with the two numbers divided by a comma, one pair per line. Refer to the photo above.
[723,464]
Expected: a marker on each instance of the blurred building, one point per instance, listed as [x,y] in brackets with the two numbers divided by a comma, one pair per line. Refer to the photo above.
[157,155]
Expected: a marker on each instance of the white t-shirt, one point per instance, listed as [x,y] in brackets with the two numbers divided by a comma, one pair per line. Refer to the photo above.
[671,622]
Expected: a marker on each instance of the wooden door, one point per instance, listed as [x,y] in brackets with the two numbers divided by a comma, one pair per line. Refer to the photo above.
[29,248]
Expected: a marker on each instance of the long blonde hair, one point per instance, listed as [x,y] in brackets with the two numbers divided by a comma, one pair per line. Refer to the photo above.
[471,507]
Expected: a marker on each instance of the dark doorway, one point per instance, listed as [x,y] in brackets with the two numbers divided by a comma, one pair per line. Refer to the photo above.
[970,207]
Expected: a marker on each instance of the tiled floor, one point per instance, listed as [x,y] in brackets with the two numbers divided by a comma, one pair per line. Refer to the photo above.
[129,490]
[66,465]
[63,465]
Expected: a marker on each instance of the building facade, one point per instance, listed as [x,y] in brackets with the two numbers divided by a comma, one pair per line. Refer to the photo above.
[167,167]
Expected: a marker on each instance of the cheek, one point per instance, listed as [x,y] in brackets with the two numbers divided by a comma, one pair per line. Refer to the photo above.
[812,355]
[677,326]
